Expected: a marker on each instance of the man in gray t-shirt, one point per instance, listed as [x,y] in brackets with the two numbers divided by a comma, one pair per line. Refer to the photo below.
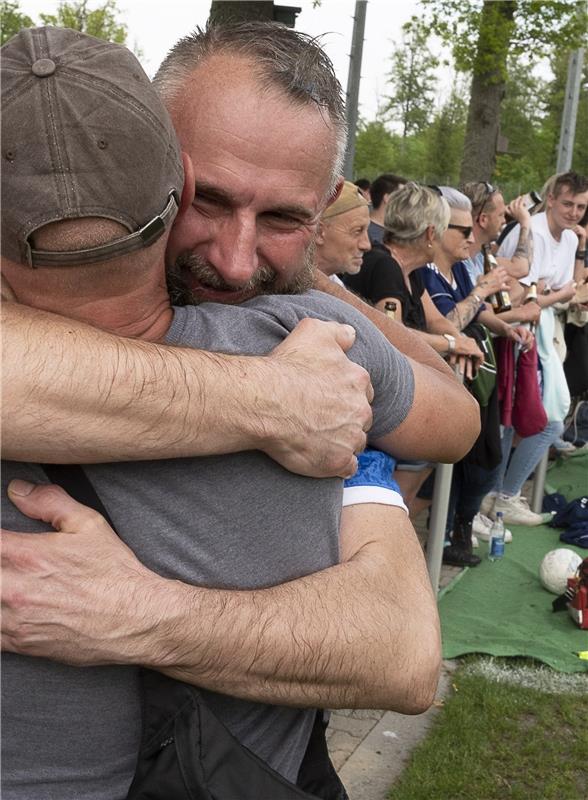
[232,522]
[237,521]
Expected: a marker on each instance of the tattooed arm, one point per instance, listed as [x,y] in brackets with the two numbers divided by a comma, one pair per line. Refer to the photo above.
[519,263]
[464,311]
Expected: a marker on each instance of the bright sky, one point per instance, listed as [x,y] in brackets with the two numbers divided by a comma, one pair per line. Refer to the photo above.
[155,25]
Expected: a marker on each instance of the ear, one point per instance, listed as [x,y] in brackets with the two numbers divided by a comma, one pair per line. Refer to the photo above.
[549,200]
[320,234]
[336,191]
[430,235]
[189,188]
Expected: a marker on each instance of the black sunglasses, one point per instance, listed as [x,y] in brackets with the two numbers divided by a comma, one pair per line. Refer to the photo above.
[488,192]
[465,229]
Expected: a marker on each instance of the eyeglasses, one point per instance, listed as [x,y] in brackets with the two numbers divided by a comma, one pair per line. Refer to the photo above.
[488,192]
[465,229]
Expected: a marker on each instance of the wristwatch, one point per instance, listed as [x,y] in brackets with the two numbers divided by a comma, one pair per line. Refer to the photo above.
[450,343]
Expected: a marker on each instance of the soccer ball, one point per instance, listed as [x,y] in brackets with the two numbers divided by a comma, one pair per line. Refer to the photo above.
[557,566]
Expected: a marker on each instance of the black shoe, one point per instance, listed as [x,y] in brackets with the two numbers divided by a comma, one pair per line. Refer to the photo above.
[458,556]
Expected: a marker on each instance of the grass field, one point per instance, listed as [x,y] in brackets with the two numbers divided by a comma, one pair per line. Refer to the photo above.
[508,729]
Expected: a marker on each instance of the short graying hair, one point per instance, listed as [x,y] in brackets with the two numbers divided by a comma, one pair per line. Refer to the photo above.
[411,210]
[283,58]
[456,199]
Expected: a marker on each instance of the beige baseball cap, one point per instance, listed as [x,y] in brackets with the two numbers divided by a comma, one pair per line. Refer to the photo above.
[349,198]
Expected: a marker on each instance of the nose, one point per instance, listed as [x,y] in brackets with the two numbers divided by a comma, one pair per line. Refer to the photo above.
[233,249]
[364,242]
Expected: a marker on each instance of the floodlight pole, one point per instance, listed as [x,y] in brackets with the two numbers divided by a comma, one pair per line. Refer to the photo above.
[568,123]
[354,77]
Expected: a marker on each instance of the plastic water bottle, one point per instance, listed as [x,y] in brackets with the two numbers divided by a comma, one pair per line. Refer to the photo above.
[496,543]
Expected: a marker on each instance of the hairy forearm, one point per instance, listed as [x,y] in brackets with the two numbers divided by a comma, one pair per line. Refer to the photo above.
[304,643]
[76,394]
[72,393]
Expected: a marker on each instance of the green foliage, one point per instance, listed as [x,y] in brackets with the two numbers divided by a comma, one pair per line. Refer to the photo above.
[102,22]
[412,79]
[12,20]
[537,26]
[445,137]
[376,149]
[531,118]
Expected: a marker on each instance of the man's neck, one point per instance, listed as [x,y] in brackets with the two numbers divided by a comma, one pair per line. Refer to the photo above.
[377,215]
[554,229]
[141,312]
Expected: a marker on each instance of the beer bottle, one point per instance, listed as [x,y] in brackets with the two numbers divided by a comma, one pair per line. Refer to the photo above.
[390,309]
[531,298]
[501,300]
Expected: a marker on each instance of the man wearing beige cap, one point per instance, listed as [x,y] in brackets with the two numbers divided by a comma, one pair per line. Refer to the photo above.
[342,237]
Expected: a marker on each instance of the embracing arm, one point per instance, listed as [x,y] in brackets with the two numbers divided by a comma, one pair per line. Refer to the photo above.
[403,338]
[440,402]
[364,633]
[74,394]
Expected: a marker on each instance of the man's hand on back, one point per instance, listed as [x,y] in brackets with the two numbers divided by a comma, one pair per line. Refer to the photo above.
[328,396]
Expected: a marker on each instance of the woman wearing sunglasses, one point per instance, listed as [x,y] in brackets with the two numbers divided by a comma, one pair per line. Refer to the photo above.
[450,287]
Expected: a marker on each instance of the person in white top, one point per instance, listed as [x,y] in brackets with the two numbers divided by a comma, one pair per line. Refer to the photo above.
[558,265]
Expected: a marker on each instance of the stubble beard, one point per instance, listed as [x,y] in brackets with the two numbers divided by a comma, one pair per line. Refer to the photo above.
[265,281]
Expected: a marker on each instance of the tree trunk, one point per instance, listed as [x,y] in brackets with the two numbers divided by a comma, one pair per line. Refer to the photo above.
[488,87]
[240,11]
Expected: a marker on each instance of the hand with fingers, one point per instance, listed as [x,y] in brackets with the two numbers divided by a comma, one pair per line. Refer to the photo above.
[76,594]
[329,399]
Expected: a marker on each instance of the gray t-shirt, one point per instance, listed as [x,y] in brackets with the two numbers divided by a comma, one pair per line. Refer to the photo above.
[235,521]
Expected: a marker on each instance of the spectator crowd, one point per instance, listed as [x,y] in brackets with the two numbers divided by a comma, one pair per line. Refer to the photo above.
[497,288]
[228,375]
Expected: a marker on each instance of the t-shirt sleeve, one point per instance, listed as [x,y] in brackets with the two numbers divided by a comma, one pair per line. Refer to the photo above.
[386,280]
[390,372]
[438,290]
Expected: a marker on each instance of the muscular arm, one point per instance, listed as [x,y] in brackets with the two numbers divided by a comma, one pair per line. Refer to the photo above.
[455,430]
[74,394]
[364,633]
[403,338]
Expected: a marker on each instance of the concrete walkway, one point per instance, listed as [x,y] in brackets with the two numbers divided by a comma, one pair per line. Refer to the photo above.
[370,748]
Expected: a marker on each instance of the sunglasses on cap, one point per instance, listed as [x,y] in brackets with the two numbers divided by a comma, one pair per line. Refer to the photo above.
[488,192]
[465,229]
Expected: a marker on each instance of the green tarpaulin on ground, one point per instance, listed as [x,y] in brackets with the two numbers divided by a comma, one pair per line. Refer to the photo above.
[501,608]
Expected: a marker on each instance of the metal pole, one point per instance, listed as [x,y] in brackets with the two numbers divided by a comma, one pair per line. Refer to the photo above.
[353,79]
[437,522]
[539,484]
[568,123]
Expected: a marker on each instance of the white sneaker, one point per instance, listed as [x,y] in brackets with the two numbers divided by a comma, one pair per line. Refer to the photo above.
[482,526]
[487,504]
[516,511]
[475,542]
[522,501]
[564,447]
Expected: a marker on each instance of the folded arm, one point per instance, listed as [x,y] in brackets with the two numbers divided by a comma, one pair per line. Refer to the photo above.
[440,402]
[364,633]
[75,394]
